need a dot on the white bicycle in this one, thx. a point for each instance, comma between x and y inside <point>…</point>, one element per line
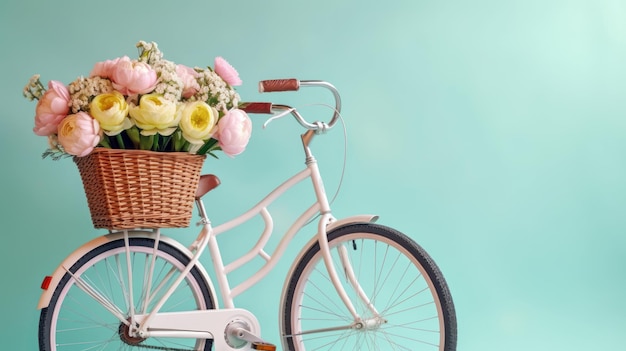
<point>356,285</point>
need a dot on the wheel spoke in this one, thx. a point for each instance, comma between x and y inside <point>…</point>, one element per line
<point>97,296</point>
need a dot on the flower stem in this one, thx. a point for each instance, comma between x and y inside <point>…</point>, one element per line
<point>120,141</point>
<point>179,141</point>
<point>146,142</point>
<point>166,143</point>
<point>156,143</point>
<point>104,142</point>
<point>133,135</point>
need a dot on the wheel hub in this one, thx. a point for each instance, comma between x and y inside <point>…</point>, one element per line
<point>124,333</point>
<point>371,323</point>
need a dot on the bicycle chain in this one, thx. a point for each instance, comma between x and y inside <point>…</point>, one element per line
<point>150,347</point>
<point>139,345</point>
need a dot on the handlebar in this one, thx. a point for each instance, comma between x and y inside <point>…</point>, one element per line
<point>292,84</point>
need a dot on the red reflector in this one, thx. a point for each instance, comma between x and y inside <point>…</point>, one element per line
<point>46,282</point>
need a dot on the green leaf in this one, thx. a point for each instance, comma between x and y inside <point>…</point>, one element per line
<point>55,155</point>
<point>207,147</point>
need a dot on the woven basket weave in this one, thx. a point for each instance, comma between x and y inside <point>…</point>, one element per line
<point>129,189</point>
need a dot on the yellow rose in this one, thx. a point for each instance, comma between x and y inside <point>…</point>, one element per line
<point>111,111</point>
<point>155,114</point>
<point>197,121</point>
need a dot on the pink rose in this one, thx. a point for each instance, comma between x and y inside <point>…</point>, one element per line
<point>133,77</point>
<point>104,69</point>
<point>51,108</point>
<point>79,134</point>
<point>233,132</point>
<point>188,75</point>
<point>227,72</point>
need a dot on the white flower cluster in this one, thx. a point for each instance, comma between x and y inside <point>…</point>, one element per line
<point>34,89</point>
<point>169,83</point>
<point>83,90</point>
<point>215,91</point>
<point>149,52</point>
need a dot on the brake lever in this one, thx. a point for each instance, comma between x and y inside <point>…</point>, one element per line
<point>277,116</point>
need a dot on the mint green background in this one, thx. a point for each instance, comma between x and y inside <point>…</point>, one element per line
<point>491,131</point>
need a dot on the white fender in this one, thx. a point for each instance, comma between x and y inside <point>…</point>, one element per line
<point>350,220</point>
<point>330,227</point>
<point>70,260</point>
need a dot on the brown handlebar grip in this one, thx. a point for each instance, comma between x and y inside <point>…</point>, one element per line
<point>256,107</point>
<point>291,84</point>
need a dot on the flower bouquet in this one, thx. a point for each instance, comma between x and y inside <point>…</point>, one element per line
<point>139,131</point>
<point>147,104</point>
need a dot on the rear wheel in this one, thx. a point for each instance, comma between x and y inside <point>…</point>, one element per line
<point>74,320</point>
<point>413,309</point>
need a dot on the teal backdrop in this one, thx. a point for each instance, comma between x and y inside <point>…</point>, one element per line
<point>493,132</point>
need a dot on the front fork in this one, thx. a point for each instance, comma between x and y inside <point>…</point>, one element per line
<point>349,273</point>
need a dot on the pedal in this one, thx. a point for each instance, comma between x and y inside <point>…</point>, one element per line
<point>263,346</point>
<point>238,334</point>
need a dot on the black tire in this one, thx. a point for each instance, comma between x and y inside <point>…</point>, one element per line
<point>73,318</point>
<point>311,303</point>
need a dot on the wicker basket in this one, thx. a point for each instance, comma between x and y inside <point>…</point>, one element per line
<point>129,189</point>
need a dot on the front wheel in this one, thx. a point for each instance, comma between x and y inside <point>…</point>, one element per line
<point>76,319</point>
<point>400,295</point>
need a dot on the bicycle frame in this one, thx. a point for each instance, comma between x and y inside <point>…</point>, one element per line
<point>195,324</point>
<point>208,237</point>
